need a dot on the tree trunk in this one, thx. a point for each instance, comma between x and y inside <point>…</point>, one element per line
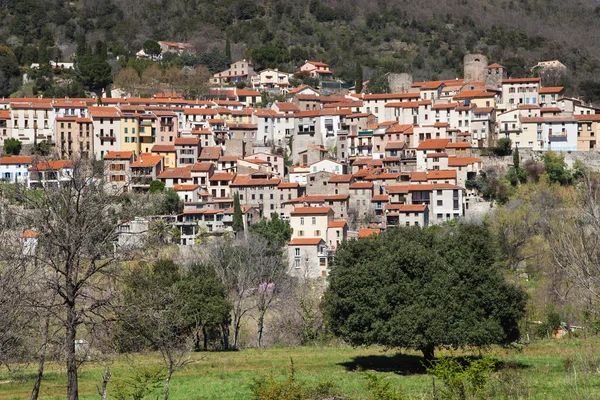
<point>70,337</point>
<point>428,354</point>
<point>104,392</point>
<point>225,335</point>
<point>40,373</point>
<point>167,385</point>
<point>205,338</point>
<point>236,332</point>
<point>261,325</point>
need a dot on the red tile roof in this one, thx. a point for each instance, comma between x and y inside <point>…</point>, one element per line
<point>337,224</point>
<point>311,211</point>
<point>180,141</point>
<point>15,160</point>
<point>361,185</point>
<point>51,165</point>
<point>433,144</point>
<point>366,232</point>
<point>176,173</point>
<point>305,242</point>
<point>147,160</point>
<point>118,155</point>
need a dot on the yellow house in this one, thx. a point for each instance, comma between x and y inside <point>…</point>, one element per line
<point>588,130</point>
<point>147,131</point>
<point>130,140</point>
<point>167,152</point>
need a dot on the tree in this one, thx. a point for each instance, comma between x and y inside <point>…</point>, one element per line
<point>77,224</point>
<point>195,83</point>
<point>152,48</point>
<point>504,147</point>
<point>12,147</point>
<point>516,159</point>
<point>166,308</point>
<point>238,219</point>
<point>422,288</point>
<point>556,169</point>
<point>172,203</point>
<point>93,72</point>
<point>276,231</point>
<point>228,48</point>
<point>151,78</point>
<point>379,83</point>
<point>128,80</point>
<point>359,78</point>
<point>156,186</point>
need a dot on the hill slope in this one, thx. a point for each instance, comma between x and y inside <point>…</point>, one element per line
<point>426,37</point>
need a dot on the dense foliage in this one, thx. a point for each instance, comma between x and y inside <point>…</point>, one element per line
<point>422,288</point>
<point>427,38</point>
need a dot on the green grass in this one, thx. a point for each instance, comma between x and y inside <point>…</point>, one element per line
<point>228,375</point>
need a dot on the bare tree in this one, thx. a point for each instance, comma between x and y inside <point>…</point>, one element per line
<point>250,270</point>
<point>76,222</point>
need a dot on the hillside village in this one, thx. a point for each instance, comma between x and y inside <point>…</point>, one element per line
<point>336,165</point>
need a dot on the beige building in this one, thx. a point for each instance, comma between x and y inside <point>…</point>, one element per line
<point>310,222</point>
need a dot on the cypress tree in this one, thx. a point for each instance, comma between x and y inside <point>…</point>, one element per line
<point>359,78</point>
<point>238,220</point>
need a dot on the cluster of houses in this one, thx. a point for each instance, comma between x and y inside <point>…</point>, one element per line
<point>336,167</point>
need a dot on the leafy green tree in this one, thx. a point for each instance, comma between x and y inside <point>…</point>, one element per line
<point>379,83</point>
<point>12,147</point>
<point>359,78</point>
<point>556,169</point>
<point>156,186</point>
<point>9,72</point>
<point>421,288</point>
<point>152,48</point>
<point>504,147</point>
<point>238,219</point>
<point>516,159</point>
<point>172,203</point>
<point>276,231</point>
<point>94,72</point>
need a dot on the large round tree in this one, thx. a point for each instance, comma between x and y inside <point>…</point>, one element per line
<point>422,288</point>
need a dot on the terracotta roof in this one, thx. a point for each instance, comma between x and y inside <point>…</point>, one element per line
<point>439,155</point>
<point>441,174</point>
<point>180,141</point>
<point>202,167</point>
<point>442,106</point>
<point>311,211</point>
<point>395,145</point>
<point>412,207</point>
<point>588,117</point>
<point>550,110</point>
<point>337,224</point>
<point>397,189</point>
<point>185,187</point>
<point>390,96</point>
<point>433,144</point>
<point>305,242</point>
<point>210,153</point>
<point>51,165</point>
<point>118,155</point>
<point>380,197</point>
<point>104,112</point>
<point>285,106</point>
<point>459,145</point>
<point>221,176</point>
<point>176,173</point>
<point>495,65</point>
<point>15,160</point>
<point>199,111</point>
<point>418,176</point>
<point>344,178</point>
<point>163,148</point>
<point>29,234</point>
<point>552,90</point>
<point>361,185</point>
<point>432,186</point>
<point>366,232</point>
<point>228,158</point>
<point>474,94</point>
<point>288,185</point>
<point>147,160</point>
<point>462,161</point>
<point>248,180</point>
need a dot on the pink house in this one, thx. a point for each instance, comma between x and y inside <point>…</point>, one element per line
<point>316,69</point>
<point>275,161</point>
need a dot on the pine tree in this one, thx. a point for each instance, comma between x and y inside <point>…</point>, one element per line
<point>359,78</point>
<point>238,220</point>
<point>228,49</point>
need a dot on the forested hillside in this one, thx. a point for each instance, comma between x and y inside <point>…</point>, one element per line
<point>425,37</point>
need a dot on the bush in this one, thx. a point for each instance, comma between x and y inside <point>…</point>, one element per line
<point>463,380</point>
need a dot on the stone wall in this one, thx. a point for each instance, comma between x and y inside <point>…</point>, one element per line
<point>590,159</point>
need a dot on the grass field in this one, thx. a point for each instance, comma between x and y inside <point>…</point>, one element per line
<point>228,375</point>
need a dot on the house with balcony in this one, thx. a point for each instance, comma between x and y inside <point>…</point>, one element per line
<point>50,174</point>
<point>145,170</point>
<point>588,130</point>
<point>106,125</point>
<point>32,120</point>
<point>74,136</point>
<point>271,79</point>
<point>238,71</point>
<point>316,69</point>
<point>117,170</point>
<point>187,151</point>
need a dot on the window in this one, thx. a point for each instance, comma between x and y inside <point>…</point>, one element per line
<point>439,192</point>
<point>301,220</point>
<point>300,233</point>
<point>440,203</point>
<point>297,251</point>
<point>314,220</point>
<point>317,233</point>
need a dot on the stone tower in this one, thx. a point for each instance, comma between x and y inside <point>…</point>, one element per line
<point>494,75</point>
<point>475,67</point>
<point>400,83</point>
